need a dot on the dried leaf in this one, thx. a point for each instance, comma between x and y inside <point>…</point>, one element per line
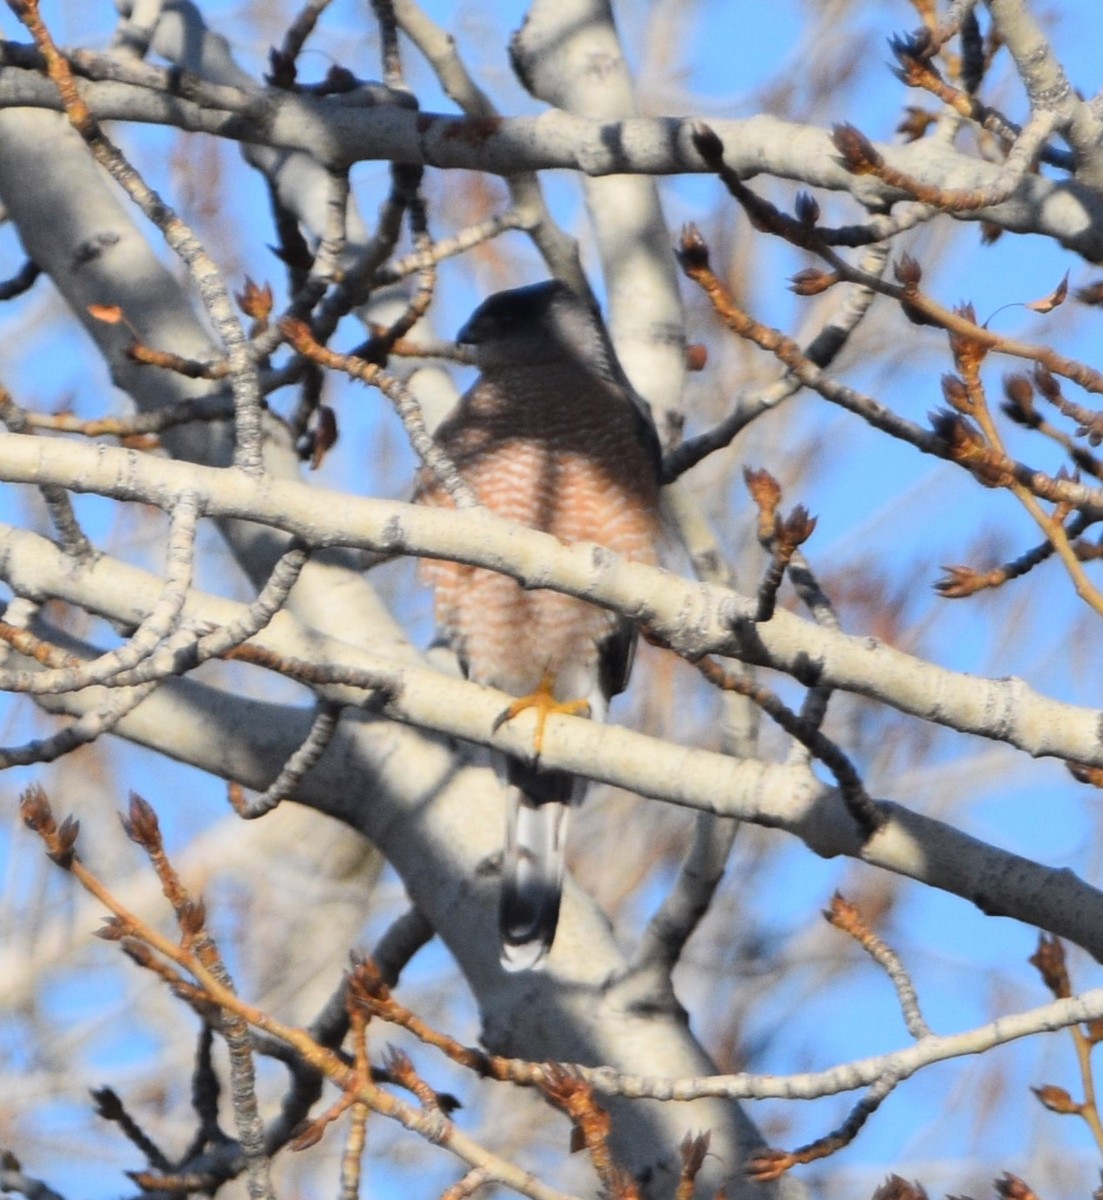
<point>110,314</point>
<point>1053,300</point>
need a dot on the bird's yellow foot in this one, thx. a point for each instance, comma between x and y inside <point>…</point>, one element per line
<point>545,703</point>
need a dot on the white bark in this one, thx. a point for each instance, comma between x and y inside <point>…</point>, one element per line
<point>693,618</point>
<point>569,56</point>
<point>355,127</point>
<point>777,796</point>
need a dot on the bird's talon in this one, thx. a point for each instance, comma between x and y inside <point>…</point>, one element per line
<point>544,701</point>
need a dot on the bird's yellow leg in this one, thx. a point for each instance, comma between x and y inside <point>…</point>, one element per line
<point>545,703</point>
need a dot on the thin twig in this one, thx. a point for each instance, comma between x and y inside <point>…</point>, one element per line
<point>14,1179</point>
<point>939,442</point>
<point>859,156</point>
<point>969,356</point>
<point>58,504</point>
<point>388,44</point>
<point>20,282</point>
<point>558,249</point>
<point>313,747</point>
<point>467,1186</point>
<point>406,405</point>
<point>822,351</point>
<point>689,897</point>
<point>768,1165</point>
<point>284,59</point>
<point>865,811</point>
<point>111,1108</point>
<point>81,732</point>
<point>162,619</point>
<point>915,303</point>
<point>190,649</point>
<point>846,917</point>
<point>459,243</point>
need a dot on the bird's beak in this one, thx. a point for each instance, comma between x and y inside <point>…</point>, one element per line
<point>468,334</point>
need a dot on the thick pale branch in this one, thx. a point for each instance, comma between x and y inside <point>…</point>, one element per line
<point>780,797</point>
<point>355,127</point>
<point>554,54</point>
<point>695,619</point>
<point>1047,85</point>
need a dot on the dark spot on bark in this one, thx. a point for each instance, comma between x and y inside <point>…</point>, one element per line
<point>473,131</point>
<point>88,251</point>
<point>392,534</point>
<point>807,670</point>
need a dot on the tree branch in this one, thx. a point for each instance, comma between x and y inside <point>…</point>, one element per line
<point>777,796</point>
<point>694,619</point>
<point>355,126</point>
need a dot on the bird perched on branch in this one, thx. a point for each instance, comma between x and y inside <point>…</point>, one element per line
<point>551,436</point>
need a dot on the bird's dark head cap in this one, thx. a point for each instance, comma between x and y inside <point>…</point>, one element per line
<point>548,324</point>
<point>520,312</point>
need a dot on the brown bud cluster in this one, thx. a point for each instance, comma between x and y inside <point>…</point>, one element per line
<point>908,272</point>
<point>916,122</point>
<point>1020,401</point>
<point>812,281</point>
<point>1049,961</point>
<point>140,824</point>
<point>1056,1099</point>
<point>959,582</point>
<point>1011,1187</point>
<point>858,153</point>
<point>60,840</point>
<point>807,209</point>
<point>898,1188</point>
<point>956,394</point>
<point>693,251</point>
<point>255,301</point>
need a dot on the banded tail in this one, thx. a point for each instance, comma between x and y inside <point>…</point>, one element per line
<point>532,867</point>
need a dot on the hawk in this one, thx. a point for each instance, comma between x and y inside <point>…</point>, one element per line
<point>552,436</point>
